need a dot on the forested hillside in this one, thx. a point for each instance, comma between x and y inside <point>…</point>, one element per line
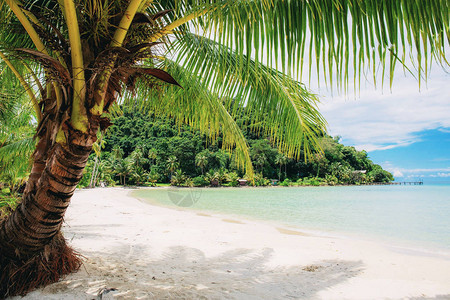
<point>142,149</point>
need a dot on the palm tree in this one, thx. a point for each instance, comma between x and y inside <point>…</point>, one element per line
<point>153,177</point>
<point>117,152</point>
<point>172,164</point>
<point>97,147</point>
<point>281,160</point>
<point>138,156</point>
<point>122,168</point>
<point>138,174</point>
<point>221,175</point>
<point>201,160</point>
<point>75,57</point>
<point>152,155</point>
<point>177,178</point>
<point>212,177</point>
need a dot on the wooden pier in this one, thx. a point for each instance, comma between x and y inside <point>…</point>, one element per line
<point>408,183</point>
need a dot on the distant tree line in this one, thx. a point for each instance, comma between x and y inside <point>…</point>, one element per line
<point>141,149</point>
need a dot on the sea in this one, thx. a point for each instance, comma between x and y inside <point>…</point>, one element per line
<point>403,216</point>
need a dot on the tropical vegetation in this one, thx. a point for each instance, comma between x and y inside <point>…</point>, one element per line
<point>75,59</point>
<point>152,145</point>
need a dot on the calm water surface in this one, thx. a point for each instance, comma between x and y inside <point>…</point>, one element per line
<point>405,215</point>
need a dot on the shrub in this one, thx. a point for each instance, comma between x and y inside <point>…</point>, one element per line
<point>260,180</point>
<point>178,178</point>
<point>286,182</point>
<point>200,181</point>
<point>188,182</point>
<point>232,178</point>
<point>152,178</point>
<point>331,179</point>
<point>313,181</point>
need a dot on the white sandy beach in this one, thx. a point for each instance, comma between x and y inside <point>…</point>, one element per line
<point>151,252</point>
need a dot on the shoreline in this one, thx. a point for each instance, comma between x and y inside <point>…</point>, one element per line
<point>294,185</point>
<point>152,252</point>
<point>419,247</point>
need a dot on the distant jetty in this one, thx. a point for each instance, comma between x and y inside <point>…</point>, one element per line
<point>408,183</point>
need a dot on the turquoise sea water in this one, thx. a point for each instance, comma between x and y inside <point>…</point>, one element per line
<point>399,215</point>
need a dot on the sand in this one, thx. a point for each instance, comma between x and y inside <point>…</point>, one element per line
<point>150,252</point>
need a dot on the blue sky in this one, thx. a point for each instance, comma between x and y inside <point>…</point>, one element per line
<point>405,130</point>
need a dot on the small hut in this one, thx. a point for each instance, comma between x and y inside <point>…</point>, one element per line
<point>242,182</point>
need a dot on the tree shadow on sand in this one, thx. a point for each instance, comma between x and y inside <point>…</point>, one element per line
<point>186,273</point>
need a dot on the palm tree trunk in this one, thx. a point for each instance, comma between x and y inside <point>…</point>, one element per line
<point>93,174</point>
<point>39,160</point>
<point>30,237</point>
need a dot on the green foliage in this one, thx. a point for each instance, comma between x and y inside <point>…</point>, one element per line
<point>380,175</point>
<point>16,132</point>
<point>6,191</point>
<point>8,202</point>
<point>200,181</point>
<point>160,147</point>
<point>153,178</point>
<point>260,180</point>
<point>178,178</point>
<point>331,179</point>
<point>236,60</point>
<point>188,182</point>
<point>312,181</point>
<point>232,178</point>
<point>286,182</point>
<point>212,177</point>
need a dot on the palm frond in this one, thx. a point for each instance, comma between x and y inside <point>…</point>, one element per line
<point>19,149</point>
<point>197,106</point>
<point>336,37</point>
<point>285,108</point>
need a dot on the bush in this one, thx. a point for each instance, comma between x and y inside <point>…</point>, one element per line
<point>286,182</point>
<point>200,181</point>
<point>178,178</point>
<point>188,182</point>
<point>313,181</point>
<point>232,178</point>
<point>261,181</point>
<point>153,177</point>
<point>331,179</point>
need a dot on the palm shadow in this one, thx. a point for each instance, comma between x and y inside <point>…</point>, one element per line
<point>186,273</point>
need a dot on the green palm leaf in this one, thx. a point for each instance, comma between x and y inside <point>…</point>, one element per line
<point>337,37</point>
<point>197,106</point>
<point>283,106</point>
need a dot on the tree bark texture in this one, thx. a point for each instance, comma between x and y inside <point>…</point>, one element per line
<point>31,234</point>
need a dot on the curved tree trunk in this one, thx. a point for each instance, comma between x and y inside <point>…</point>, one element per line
<point>30,238</point>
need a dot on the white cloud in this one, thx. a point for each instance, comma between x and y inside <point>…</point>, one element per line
<point>444,130</point>
<point>397,173</point>
<point>414,176</point>
<point>377,121</point>
<point>445,175</point>
<point>415,173</point>
<point>429,170</point>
